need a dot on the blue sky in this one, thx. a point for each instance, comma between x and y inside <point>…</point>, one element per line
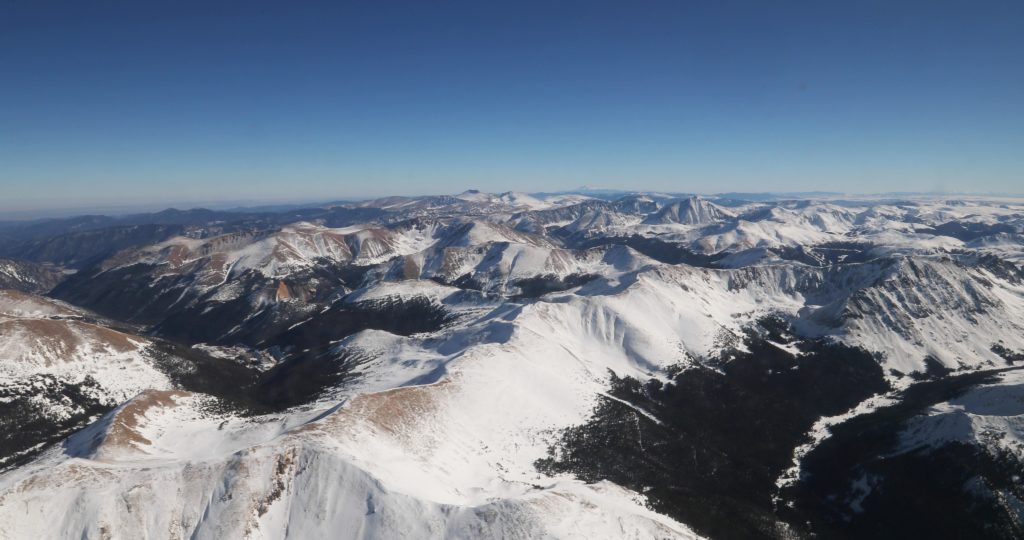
<point>147,102</point>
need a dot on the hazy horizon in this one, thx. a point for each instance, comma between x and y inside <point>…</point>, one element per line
<point>58,212</point>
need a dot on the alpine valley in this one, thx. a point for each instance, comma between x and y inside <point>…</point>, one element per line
<point>575,365</point>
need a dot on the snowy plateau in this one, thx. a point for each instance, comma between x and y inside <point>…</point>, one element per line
<point>577,365</point>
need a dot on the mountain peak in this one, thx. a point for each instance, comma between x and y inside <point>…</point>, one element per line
<point>693,210</point>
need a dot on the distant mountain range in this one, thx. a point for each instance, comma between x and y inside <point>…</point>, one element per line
<point>592,363</point>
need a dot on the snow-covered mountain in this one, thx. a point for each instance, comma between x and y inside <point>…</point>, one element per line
<point>521,366</point>
<point>690,211</point>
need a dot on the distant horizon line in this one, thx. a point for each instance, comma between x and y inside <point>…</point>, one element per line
<point>282,203</point>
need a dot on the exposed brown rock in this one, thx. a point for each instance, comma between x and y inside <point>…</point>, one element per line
<point>410,269</point>
<point>283,293</point>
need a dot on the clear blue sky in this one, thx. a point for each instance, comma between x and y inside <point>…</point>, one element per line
<point>130,102</point>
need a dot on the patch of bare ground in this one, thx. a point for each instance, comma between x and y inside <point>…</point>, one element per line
<point>410,269</point>
<point>176,255</point>
<point>215,270</point>
<point>398,412</point>
<point>60,338</point>
<point>70,473</point>
<point>123,431</point>
<point>17,304</point>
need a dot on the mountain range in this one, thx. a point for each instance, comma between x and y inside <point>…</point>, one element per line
<point>573,365</point>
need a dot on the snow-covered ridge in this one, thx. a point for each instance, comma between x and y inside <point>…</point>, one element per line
<point>407,452</point>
